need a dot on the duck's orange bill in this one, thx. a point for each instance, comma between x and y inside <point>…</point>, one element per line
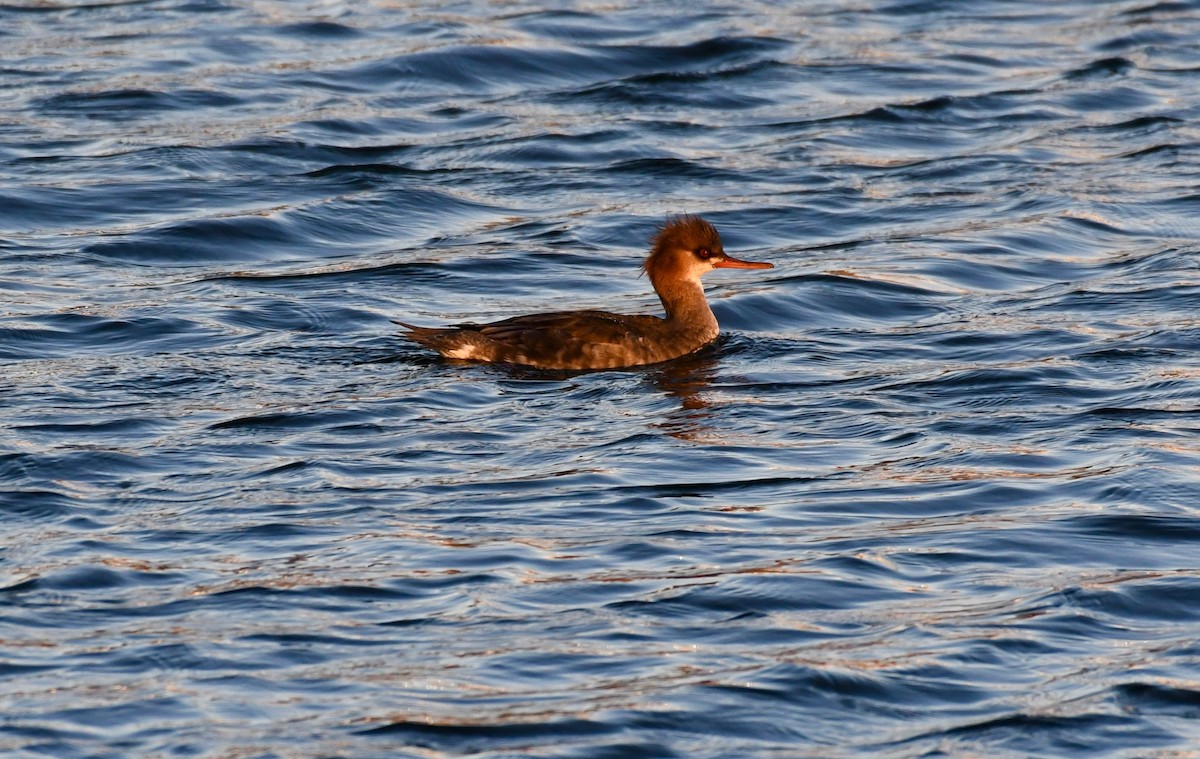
<point>737,263</point>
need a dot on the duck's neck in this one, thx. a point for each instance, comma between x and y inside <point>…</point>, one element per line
<point>687,307</point>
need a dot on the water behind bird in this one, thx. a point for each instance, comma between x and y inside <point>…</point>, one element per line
<point>936,479</point>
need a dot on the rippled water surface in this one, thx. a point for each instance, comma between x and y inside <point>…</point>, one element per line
<point>935,491</point>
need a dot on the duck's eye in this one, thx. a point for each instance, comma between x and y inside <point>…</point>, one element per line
<point>704,253</point>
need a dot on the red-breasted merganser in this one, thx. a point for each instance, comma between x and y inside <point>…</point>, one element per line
<point>684,249</point>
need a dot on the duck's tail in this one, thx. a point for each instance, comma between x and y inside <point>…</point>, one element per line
<point>451,342</point>
<point>427,336</point>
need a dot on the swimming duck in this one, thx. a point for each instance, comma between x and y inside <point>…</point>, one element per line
<point>683,250</point>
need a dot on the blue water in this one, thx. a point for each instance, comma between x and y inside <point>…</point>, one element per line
<point>935,491</point>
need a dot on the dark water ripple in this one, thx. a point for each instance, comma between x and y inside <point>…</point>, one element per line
<point>932,493</point>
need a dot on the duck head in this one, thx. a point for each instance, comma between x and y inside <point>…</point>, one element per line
<point>685,249</point>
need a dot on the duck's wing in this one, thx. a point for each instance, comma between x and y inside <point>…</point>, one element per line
<point>573,339</point>
<point>560,340</point>
<point>588,326</point>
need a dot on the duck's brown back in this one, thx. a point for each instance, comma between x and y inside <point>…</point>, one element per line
<point>572,340</point>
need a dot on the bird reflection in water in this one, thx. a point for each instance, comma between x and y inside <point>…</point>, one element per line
<point>687,379</point>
